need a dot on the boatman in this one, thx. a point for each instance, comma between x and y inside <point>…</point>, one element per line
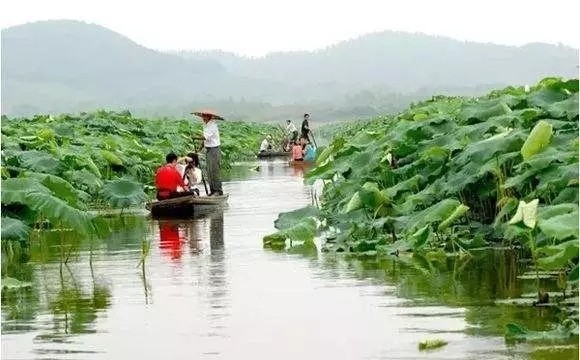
<point>211,142</point>
<point>305,128</point>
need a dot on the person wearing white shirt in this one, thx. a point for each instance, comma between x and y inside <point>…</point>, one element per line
<point>211,141</point>
<point>291,130</point>
<point>265,145</point>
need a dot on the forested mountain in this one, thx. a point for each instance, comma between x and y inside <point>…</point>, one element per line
<point>67,66</point>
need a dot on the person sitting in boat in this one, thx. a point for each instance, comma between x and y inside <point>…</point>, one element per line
<point>265,146</point>
<point>309,151</point>
<point>297,152</point>
<point>168,180</point>
<point>192,173</point>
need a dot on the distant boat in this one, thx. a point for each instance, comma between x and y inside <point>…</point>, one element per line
<point>186,206</point>
<point>269,153</point>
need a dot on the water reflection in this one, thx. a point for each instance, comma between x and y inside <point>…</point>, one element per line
<point>207,260</point>
<point>471,284</point>
<point>270,168</point>
<point>218,296</point>
<point>216,232</point>
<point>169,239</point>
<point>174,234</point>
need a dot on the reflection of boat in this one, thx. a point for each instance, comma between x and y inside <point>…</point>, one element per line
<point>186,206</point>
<point>270,153</point>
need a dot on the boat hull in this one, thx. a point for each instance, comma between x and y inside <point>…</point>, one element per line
<point>187,206</point>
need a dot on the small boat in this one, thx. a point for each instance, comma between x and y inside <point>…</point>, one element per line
<point>186,206</point>
<point>269,153</point>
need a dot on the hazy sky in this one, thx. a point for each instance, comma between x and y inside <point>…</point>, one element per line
<point>255,27</point>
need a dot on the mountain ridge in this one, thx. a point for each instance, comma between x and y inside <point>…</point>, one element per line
<point>69,65</point>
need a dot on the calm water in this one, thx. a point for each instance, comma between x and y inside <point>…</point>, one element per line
<point>208,290</point>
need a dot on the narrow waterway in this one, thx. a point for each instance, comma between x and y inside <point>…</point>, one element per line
<point>206,289</point>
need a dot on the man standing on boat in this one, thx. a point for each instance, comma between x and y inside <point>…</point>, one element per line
<point>211,142</point>
<point>305,128</point>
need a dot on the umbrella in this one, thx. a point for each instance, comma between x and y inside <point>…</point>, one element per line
<point>207,113</point>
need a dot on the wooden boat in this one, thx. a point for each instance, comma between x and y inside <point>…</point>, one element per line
<point>270,153</point>
<point>187,206</point>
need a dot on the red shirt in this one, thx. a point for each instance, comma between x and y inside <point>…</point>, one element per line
<point>297,152</point>
<point>167,179</point>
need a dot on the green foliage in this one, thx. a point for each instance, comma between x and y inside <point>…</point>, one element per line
<point>298,226</point>
<point>9,283</point>
<point>450,175</point>
<point>112,145</point>
<point>459,173</point>
<point>46,204</point>
<point>567,330</point>
<point>456,214</point>
<point>288,219</point>
<point>538,139</point>
<point>14,229</point>
<point>123,193</point>
<point>55,167</point>
<point>431,344</point>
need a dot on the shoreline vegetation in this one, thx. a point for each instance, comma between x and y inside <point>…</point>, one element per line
<point>57,169</point>
<point>451,176</point>
<point>443,180</point>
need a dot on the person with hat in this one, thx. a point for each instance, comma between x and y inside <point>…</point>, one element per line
<point>211,142</point>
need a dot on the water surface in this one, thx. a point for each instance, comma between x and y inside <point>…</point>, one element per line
<point>206,289</point>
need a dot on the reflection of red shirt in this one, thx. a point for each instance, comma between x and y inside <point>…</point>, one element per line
<point>169,239</point>
<point>167,179</point>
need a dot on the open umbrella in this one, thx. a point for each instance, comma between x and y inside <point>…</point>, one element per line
<point>207,113</point>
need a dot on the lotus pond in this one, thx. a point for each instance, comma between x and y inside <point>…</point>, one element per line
<point>207,289</point>
<point>451,176</point>
<point>447,231</point>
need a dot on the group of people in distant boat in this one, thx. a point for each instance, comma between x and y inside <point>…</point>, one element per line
<point>181,175</point>
<point>300,147</point>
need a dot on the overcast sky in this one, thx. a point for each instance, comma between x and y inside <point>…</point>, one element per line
<point>256,27</point>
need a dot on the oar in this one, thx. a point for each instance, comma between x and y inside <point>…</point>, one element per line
<point>313,139</point>
<point>204,184</point>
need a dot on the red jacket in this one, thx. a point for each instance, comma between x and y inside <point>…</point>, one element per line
<point>167,179</point>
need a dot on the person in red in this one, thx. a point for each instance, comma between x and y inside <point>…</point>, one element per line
<point>168,180</point>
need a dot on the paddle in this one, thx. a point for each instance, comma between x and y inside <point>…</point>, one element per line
<point>204,184</point>
<point>313,139</point>
<point>195,149</point>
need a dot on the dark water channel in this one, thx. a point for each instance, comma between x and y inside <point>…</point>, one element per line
<point>206,289</point>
